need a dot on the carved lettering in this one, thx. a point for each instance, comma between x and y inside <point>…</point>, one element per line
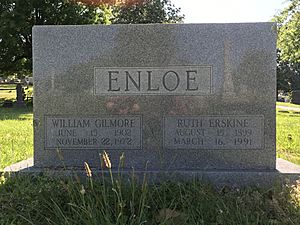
<point>150,88</point>
<point>167,87</point>
<point>189,79</point>
<point>172,80</point>
<point>213,132</point>
<point>110,80</point>
<point>137,83</point>
<point>114,132</point>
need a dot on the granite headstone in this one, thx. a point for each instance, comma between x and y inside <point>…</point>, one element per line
<point>20,95</point>
<point>182,97</point>
<point>295,97</point>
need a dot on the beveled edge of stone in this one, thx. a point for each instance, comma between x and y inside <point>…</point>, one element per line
<point>273,24</point>
<point>285,173</point>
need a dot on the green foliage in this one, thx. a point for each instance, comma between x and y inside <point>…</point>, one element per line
<point>288,75</point>
<point>48,201</point>
<point>288,58</point>
<point>17,17</point>
<point>289,32</point>
<point>148,11</point>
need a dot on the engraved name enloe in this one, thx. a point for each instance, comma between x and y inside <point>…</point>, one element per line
<point>173,80</point>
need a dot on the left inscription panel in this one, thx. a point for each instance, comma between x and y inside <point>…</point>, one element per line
<point>95,133</point>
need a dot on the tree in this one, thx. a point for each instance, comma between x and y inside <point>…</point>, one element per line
<point>17,17</point>
<point>289,32</point>
<point>288,77</point>
<point>139,11</point>
<point>288,57</point>
<point>147,11</point>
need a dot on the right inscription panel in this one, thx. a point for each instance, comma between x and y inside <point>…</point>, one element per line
<point>214,132</point>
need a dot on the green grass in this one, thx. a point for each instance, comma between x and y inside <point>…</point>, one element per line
<point>11,94</point>
<point>16,135</point>
<point>288,136</point>
<point>48,201</point>
<point>287,104</point>
<point>8,86</point>
<point>7,95</point>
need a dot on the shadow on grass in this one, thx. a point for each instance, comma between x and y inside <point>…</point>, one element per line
<point>3,99</point>
<point>16,113</point>
<point>283,111</point>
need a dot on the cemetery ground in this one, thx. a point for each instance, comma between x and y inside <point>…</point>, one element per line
<point>45,200</point>
<point>287,104</point>
<point>7,91</point>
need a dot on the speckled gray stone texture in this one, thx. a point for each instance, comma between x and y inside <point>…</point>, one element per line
<point>243,62</point>
<point>285,173</point>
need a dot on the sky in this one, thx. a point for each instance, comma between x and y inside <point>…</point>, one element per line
<point>229,11</point>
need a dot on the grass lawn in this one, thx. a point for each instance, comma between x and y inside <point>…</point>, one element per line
<point>7,94</point>
<point>287,104</point>
<point>48,201</point>
<point>288,136</point>
<point>8,86</point>
<point>16,135</point>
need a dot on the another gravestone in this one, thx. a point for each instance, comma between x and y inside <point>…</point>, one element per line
<point>195,97</point>
<point>20,95</point>
<point>295,97</point>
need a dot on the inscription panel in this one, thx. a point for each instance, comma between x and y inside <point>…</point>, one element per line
<point>173,80</point>
<point>108,132</point>
<point>213,132</point>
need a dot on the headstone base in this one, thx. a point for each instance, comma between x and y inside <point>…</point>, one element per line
<point>286,172</point>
